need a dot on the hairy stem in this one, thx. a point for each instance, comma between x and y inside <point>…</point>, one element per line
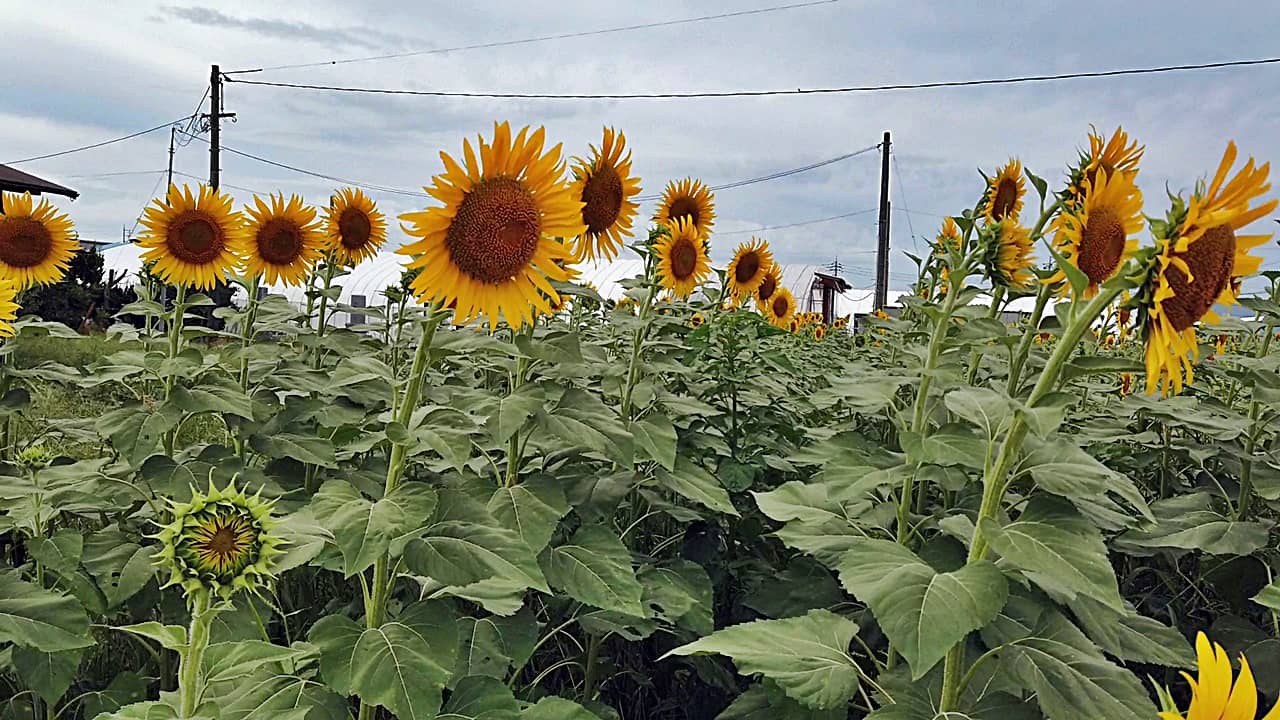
<point>190,659</point>
<point>1251,439</point>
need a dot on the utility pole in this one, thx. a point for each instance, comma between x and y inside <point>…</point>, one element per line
<point>215,124</point>
<point>882,246</point>
<point>173,132</point>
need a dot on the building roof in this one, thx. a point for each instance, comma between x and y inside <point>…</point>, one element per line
<point>15,180</point>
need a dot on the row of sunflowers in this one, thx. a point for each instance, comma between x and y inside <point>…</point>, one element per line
<point>663,507</point>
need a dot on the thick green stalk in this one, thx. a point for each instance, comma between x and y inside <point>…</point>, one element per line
<point>1019,359</point>
<point>637,343</point>
<point>1251,440</point>
<point>918,412</point>
<point>189,680</point>
<point>997,297</point>
<point>322,314</point>
<point>246,332</point>
<point>589,670</point>
<point>513,445</point>
<point>380,587</point>
<point>994,483</point>
<point>175,343</point>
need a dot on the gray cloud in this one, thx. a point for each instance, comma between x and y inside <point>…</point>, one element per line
<point>289,30</point>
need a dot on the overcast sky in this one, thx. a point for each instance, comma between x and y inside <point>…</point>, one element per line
<point>80,72</point>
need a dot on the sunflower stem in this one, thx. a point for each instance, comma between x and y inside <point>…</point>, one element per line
<point>637,343</point>
<point>191,657</point>
<point>1019,358</point>
<point>514,449</point>
<point>322,314</point>
<point>1251,439</point>
<point>997,298</point>
<point>246,338</point>
<point>994,482</point>
<point>175,343</point>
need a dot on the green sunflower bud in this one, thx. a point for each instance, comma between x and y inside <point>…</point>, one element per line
<point>219,543</point>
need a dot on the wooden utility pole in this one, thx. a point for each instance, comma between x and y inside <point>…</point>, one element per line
<point>173,132</point>
<point>882,246</point>
<point>215,124</point>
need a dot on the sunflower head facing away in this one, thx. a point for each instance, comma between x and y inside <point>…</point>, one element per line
<point>607,190</point>
<point>949,238</point>
<point>1214,695</point>
<point>219,543</point>
<point>8,306</point>
<point>748,269</point>
<point>1008,254</point>
<point>1096,235</point>
<point>1005,192</point>
<point>683,263</point>
<point>1117,156</point>
<point>690,200</point>
<point>1200,260</point>
<point>192,239</point>
<point>354,227</point>
<point>780,309</point>
<point>36,242</point>
<point>494,246</point>
<point>284,240</point>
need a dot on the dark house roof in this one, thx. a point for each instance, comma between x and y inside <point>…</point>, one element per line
<point>14,180</point>
<point>832,281</point>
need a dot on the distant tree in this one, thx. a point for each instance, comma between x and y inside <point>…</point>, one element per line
<point>83,300</point>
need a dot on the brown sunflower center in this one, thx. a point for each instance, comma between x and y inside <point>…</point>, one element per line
<point>1005,198</point>
<point>767,287</point>
<point>280,241</point>
<point>354,228</point>
<point>747,267</point>
<point>684,259</point>
<point>684,207</point>
<point>495,232</point>
<point>223,541</point>
<point>195,238</point>
<point>602,194</point>
<point>1101,245</point>
<point>1211,259</point>
<point>780,306</point>
<point>23,242</point>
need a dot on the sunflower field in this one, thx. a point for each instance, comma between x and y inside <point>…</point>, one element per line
<point>505,496</point>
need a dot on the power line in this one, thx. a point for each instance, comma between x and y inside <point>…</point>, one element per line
<point>113,174</point>
<point>222,184</point>
<point>764,93</point>
<point>122,138</point>
<point>777,175</point>
<point>537,39</point>
<point>897,174</point>
<point>312,173</point>
<point>798,224</point>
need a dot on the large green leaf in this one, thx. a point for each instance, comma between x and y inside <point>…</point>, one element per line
<point>765,701</point>
<point>1071,684</point>
<point>365,530</point>
<point>923,612</point>
<point>807,656</point>
<point>459,552</point>
<point>35,618</point>
<point>594,567</point>
<point>1132,637</point>
<point>308,449</point>
<point>655,433</point>
<point>693,482</point>
<point>679,592</point>
<point>402,665</point>
<point>481,698</point>
<point>229,661</point>
<point>1188,522</point>
<point>49,674</point>
<point>1058,550</point>
<point>984,407</point>
<point>828,541</point>
<point>1269,597</point>
<point>267,696</point>
<point>532,508</point>
<point>556,708</point>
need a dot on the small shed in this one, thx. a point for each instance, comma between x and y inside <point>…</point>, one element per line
<point>17,181</point>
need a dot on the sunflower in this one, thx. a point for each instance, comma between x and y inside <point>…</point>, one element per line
<point>697,320</point>
<point>1213,694</point>
<point>607,190</point>
<point>354,228</point>
<point>1126,384</point>
<point>688,199</point>
<point>219,542</point>
<point>1199,262</point>
<point>1114,157</point>
<point>819,331</point>
<point>768,286</point>
<point>1003,198</point>
<point>495,244</point>
<point>8,306</point>
<point>682,258</point>
<point>1008,255</point>
<point>750,264</point>
<point>35,241</point>
<point>1095,235</point>
<point>284,240</point>
<point>193,239</point>
<point>949,238</point>
<point>780,308</point>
